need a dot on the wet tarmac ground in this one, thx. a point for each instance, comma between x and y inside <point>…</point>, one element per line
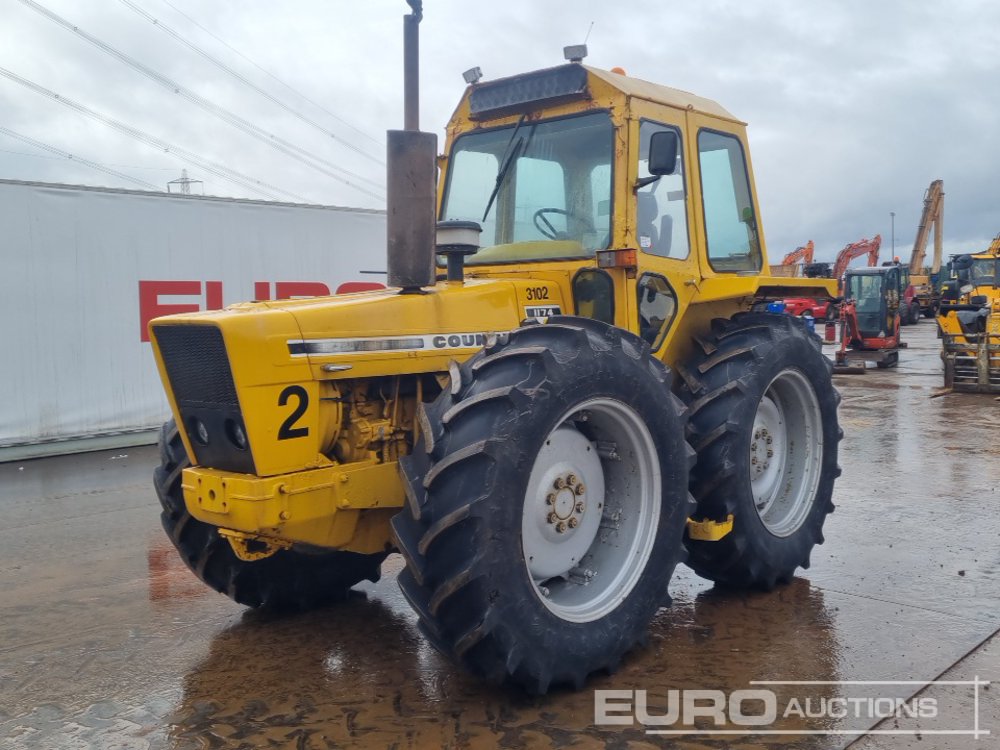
<point>107,641</point>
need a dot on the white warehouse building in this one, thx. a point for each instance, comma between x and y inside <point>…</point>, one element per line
<point>83,269</point>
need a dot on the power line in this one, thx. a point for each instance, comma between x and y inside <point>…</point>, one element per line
<point>251,183</point>
<point>289,149</point>
<point>106,164</point>
<point>243,79</point>
<point>80,159</point>
<point>273,77</point>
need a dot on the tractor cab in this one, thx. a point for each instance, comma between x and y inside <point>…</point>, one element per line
<point>972,276</point>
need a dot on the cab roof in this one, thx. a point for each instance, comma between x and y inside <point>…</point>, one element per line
<point>527,91</point>
<point>659,94</point>
<point>876,271</point>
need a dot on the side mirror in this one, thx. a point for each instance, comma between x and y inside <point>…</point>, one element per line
<point>663,153</point>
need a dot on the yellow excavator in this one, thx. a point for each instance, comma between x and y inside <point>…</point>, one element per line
<point>924,279</point>
<point>969,318</point>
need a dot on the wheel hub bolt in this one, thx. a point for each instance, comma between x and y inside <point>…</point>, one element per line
<point>753,460</point>
<point>580,489</point>
<point>769,441</point>
<point>550,499</point>
<point>753,446</point>
<point>573,523</point>
<point>770,453</point>
<point>560,483</point>
<point>553,518</point>
<point>580,507</point>
<point>560,527</point>
<point>571,479</point>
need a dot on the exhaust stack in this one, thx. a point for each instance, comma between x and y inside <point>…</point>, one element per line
<point>411,164</point>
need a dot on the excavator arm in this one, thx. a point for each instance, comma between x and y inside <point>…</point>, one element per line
<point>804,254</point>
<point>933,214</point>
<point>856,250</point>
<point>994,248</point>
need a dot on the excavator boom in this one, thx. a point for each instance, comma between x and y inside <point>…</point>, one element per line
<point>933,213</point>
<point>994,248</point>
<point>803,253</point>
<point>869,247</point>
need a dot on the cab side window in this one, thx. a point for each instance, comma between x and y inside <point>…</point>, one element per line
<point>661,209</point>
<point>730,223</point>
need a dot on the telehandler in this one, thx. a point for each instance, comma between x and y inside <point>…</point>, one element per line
<point>969,320</point>
<point>575,397</point>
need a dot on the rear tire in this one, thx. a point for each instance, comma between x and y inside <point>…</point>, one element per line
<point>289,579</point>
<point>758,391</point>
<point>576,408</point>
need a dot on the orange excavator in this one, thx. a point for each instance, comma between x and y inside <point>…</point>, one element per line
<point>803,254</point>
<point>856,250</point>
<point>822,308</point>
<point>870,318</point>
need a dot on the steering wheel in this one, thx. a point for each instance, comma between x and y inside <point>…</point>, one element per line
<point>543,225</point>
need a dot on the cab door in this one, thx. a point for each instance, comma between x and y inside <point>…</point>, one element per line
<point>658,226</point>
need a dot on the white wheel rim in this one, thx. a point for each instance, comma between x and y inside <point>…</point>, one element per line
<point>786,453</point>
<point>591,510</point>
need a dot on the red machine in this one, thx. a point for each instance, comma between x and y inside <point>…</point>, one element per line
<point>823,308</point>
<point>869,319</point>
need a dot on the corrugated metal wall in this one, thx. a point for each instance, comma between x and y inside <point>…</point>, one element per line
<point>72,362</point>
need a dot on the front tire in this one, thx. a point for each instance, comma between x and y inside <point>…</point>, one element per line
<point>547,499</point>
<point>289,579</point>
<point>763,419</point>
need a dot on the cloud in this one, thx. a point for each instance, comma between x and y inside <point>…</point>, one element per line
<point>853,107</point>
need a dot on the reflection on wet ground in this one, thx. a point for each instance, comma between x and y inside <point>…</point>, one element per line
<point>107,641</point>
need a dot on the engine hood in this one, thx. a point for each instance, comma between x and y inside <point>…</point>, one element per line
<point>370,333</point>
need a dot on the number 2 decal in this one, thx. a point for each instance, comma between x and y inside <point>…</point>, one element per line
<point>288,430</point>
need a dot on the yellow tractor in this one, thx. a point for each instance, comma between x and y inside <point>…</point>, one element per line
<point>582,391</point>
<point>969,319</point>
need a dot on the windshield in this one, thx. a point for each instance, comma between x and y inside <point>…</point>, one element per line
<point>550,184</point>
<point>866,292</point>
<point>984,272</point>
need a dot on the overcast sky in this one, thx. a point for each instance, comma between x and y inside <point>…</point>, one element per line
<point>853,106</point>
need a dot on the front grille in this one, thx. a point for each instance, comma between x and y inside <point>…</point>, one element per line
<point>197,364</point>
<point>201,381</point>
